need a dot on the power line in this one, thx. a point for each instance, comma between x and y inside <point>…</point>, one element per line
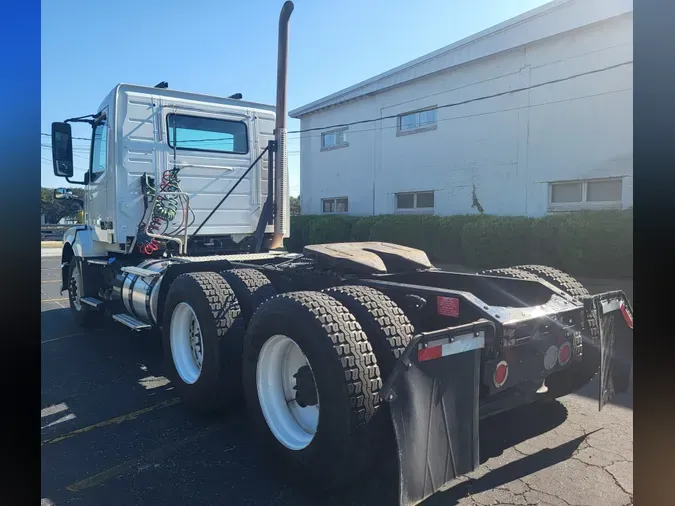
<point>469,101</point>
<point>444,106</point>
<point>79,138</point>
<point>352,132</point>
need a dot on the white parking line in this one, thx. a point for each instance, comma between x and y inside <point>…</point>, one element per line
<point>50,252</point>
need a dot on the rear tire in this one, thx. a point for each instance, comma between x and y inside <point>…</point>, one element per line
<point>251,287</point>
<point>202,337</point>
<point>557,278</point>
<point>386,326</point>
<point>344,374</point>
<point>510,272</point>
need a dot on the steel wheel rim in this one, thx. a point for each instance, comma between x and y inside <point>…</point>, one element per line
<point>292,425</point>
<point>74,288</point>
<point>187,345</point>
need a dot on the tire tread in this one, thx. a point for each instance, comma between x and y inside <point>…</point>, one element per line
<point>384,322</point>
<point>251,287</point>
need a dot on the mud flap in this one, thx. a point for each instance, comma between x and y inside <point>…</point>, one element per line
<point>433,396</point>
<point>615,329</point>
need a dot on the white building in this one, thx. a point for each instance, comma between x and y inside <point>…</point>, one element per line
<point>557,133</point>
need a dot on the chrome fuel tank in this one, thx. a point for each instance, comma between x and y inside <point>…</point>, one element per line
<point>140,293</point>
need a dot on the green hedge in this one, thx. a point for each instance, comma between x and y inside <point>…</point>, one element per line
<point>597,244</point>
<point>496,241</point>
<point>590,243</point>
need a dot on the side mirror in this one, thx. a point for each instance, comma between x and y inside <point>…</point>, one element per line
<point>62,150</point>
<point>63,193</point>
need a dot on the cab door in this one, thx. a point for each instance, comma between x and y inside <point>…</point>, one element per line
<point>97,214</point>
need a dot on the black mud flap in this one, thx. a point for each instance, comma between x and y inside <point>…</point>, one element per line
<point>615,317</point>
<point>433,395</point>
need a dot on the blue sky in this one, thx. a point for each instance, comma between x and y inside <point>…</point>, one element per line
<point>221,47</point>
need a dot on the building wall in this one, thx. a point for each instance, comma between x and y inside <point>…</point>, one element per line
<point>510,147</point>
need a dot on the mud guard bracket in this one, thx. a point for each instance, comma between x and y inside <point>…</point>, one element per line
<point>615,317</point>
<point>433,395</point>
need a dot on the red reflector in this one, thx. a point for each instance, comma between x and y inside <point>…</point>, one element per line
<point>501,373</point>
<point>564,353</point>
<point>447,306</point>
<point>429,353</point>
<point>626,315</point>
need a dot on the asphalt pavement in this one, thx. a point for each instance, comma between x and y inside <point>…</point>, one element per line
<point>114,432</point>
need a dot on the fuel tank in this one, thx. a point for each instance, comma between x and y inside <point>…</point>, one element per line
<point>140,294</point>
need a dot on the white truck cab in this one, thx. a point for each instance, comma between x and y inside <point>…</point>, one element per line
<point>217,139</point>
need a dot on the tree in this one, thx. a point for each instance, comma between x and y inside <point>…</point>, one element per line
<point>295,205</point>
<point>54,209</point>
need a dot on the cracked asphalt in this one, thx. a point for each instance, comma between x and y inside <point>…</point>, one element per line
<point>113,432</point>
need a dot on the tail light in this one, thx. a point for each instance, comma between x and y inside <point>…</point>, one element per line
<point>564,353</point>
<point>501,374</point>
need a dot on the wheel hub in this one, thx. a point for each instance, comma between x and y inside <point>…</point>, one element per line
<point>305,387</point>
<point>196,342</point>
<point>287,392</point>
<point>74,288</point>
<point>187,345</point>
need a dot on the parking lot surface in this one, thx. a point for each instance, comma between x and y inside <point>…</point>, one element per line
<point>114,432</point>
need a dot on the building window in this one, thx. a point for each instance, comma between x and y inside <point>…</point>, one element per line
<point>417,121</point>
<point>413,201</point>
<point>334,139</point>
<point>591,194</point>
<point>335,205</point>
<point>196,133</point>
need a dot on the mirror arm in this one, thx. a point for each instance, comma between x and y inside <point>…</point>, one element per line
<point>82,119</point>
<point>83,183</point>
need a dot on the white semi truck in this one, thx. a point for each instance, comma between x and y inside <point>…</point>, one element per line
<point>337,351</point>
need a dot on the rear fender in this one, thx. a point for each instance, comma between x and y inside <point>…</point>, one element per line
<point>433,395</point>
<point>78,242</point>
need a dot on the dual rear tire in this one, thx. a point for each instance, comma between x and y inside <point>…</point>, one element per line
<point>347,340</point>
<point>202,337</point>
<point>310,364</point>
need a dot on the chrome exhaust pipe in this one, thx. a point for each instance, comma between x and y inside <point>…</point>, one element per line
<point>282,214</point>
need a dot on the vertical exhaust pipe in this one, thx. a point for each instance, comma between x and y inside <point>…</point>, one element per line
<point>282,215</point>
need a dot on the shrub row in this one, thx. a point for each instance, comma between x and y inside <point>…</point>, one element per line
<point>589,243</point>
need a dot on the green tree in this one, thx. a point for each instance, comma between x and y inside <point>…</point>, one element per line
<point>295,205</point>
<point>54,209</point>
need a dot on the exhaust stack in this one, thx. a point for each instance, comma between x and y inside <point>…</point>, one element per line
<point>282,215</point>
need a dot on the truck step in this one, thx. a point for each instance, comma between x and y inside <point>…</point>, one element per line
<point>91,301</point>
<point>97,261</point>
<point>139,271</point>
<point>131,322</point>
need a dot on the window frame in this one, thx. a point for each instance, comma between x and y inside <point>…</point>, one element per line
<point>169,128</point>
<point>102,117</point>
<point>414,209</point>
<point>418,129</point>
<point>584,203</point>
<point>335,199</point>
<point>344,144</point>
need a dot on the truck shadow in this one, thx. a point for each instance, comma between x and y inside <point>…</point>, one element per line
<point>497,434</point>
<point>510,472</point>
<point>590,391</point>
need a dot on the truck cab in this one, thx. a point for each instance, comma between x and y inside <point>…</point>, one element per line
<point>143,132</point>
